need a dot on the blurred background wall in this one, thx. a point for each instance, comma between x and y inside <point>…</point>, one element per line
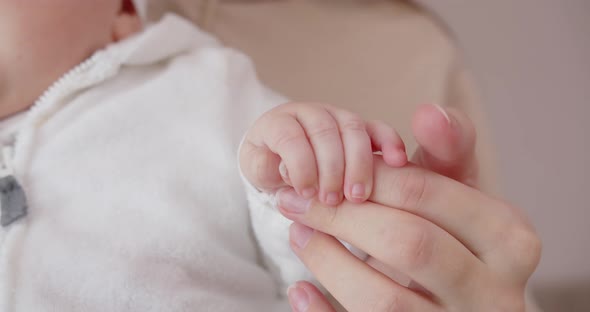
<point>531,59</point>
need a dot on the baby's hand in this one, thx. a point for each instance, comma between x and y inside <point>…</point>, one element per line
<point>317,148</point>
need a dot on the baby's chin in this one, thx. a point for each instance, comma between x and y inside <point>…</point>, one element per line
<point>20,91</point>
<point>10,105</point>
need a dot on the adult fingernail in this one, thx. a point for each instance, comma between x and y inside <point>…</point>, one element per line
<point>444,112</point>
<point>291,202</point>
<point>358,191</point>
<point>300,234</point>
<point>298,298</point>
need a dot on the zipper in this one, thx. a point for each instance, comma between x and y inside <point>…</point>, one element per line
<point>60,87</point>
<point>85,74</point>
<point>7,151</point>
<point>15,157</point>
<point>97,68</point>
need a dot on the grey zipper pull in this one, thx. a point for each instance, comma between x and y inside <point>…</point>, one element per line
<point>13,202</point>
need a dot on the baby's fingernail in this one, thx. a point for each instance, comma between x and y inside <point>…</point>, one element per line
<point>298,298</point>
<point>358,191</point>
<point>333,198</point>
<point>395,155</point>
<point>284,173</point>
<point>290,201</point>
<point>300,234</point>
<point>309,192</point>
<point>398,159</point>
<point>444,112</point>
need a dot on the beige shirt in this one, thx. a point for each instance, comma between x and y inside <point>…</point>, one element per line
<point>379,58</point>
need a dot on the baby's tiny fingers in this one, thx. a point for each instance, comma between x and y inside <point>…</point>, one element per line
<point>358,155</point>
<point>285,137</point>
<point>324,136</point>
<point>386,140</point>
<point>305,297</point>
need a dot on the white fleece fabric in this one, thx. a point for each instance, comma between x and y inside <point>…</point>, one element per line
<point>9,126</point>
<point>134,197</point>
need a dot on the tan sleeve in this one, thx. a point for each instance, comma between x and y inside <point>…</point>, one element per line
<point>462,94</point>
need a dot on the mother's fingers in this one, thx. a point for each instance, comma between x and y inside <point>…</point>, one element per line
<point>491,229</point>
<point>305,297</point>
<point>401,240</point>
<point>357,286</point>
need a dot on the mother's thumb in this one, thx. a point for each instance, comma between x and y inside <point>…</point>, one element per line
<point>446,142</point>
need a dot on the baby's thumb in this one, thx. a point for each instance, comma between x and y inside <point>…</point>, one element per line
<point>260,166</point>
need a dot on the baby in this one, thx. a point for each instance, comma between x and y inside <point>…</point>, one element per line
<point>119,184</point>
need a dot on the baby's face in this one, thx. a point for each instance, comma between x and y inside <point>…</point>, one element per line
<point>40,40</point>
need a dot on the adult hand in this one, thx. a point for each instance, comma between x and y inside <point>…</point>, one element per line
<point>468,251</point>
<point>446,143</point>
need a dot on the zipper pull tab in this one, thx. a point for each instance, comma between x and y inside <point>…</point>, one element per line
<point>13,201</point>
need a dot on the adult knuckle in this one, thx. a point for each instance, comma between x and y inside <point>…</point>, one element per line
<point>411,188</point>
<point>513,301</point>
<point>520,250</point>
<point>388,303</point>
<point>526,248</point>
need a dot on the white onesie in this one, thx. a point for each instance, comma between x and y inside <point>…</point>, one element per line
<point>132,192</point>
